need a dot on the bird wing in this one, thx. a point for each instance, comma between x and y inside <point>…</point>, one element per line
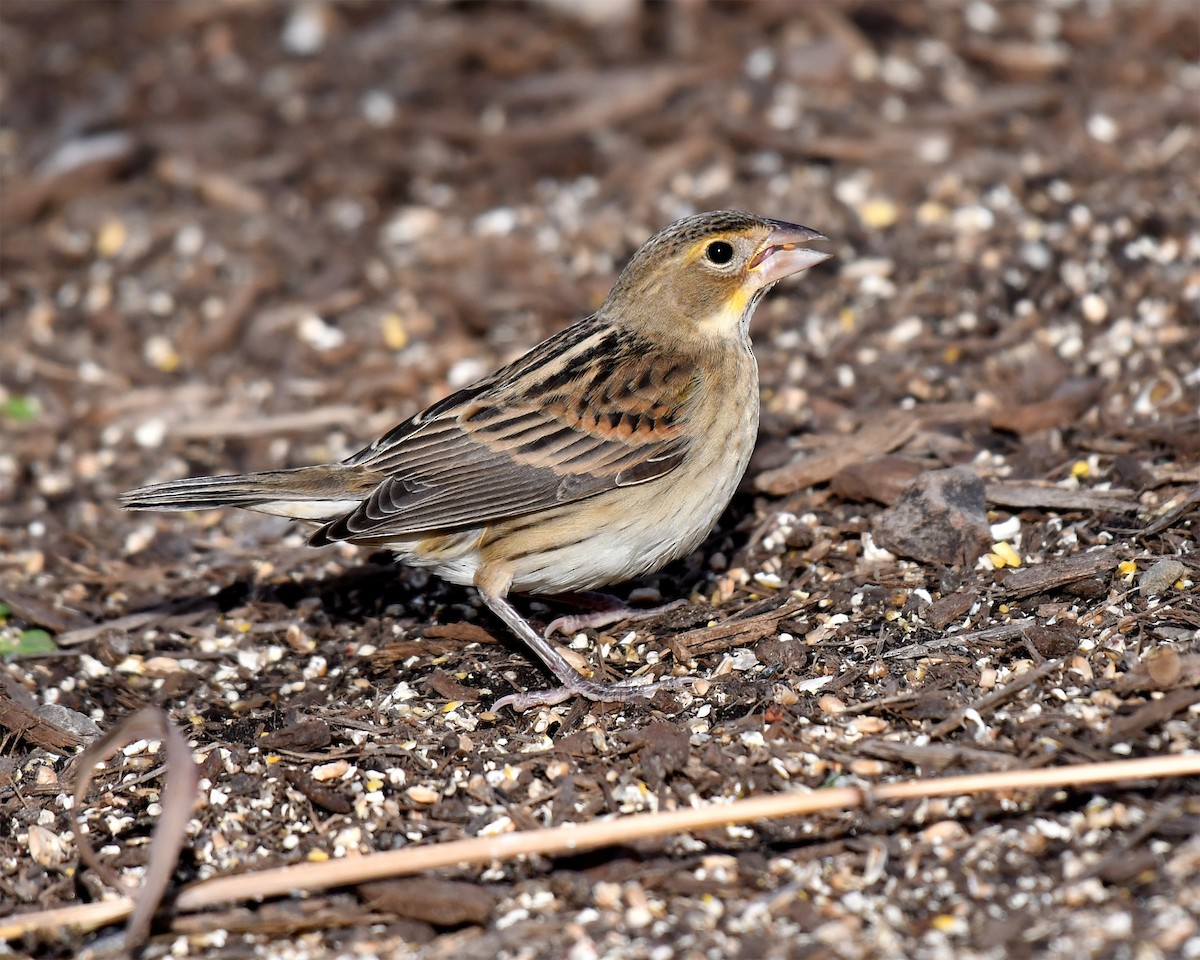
<point>587,411</point>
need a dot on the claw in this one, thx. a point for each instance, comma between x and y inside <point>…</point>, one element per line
<point>571,624</point>
<point>596,692</point>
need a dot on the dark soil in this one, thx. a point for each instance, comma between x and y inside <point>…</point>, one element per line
<point>246,235</point>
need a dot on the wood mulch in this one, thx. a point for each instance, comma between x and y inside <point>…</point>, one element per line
<point>246,235</point>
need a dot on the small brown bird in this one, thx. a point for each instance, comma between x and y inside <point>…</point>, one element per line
<point>602,454</point>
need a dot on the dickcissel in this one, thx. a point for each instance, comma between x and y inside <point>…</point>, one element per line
<point>602,454</point>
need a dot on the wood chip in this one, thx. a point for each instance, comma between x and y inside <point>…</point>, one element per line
<point>1152,714</point>
<point>950,608</point>
<point>443,903</point>
<point>891,432</point>
<point>18,715</point>
<point>1042,577</point>
<point>1023,496</point>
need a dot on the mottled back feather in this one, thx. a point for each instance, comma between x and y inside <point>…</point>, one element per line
<point>529,437</point>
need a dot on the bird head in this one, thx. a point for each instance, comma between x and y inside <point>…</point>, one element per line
<point>705,274</point>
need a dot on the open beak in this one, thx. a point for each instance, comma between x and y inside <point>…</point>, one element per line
<point>785,252</point>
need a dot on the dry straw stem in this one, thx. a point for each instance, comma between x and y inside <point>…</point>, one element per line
<point>280,881</point>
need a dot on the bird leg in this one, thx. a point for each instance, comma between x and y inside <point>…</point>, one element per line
<point>605,610</point>
<point>574,683</point>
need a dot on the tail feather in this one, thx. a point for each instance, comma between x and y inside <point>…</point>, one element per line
<point>306,493</point>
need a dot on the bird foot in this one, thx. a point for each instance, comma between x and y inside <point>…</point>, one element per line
<point>592,690</point>
<point>573,683</point>
<point>610,610</point>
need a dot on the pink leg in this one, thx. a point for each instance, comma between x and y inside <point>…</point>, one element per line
<point>605,610</point>
<point>574,684</point>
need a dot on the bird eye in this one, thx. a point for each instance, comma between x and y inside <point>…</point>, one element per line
<point>719,252</point>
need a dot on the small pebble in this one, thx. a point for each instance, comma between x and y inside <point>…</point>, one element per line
<point>330,771</point>
<point>422,795</point>
<point>111,238</point>
<point>878,213</point>
<point>318,334</point>
<point>150,434</point>
<point>1102,127</point>
<point>1094,308</point>
<point>1159,578</point>
<point>306,30</point>
<point>1164,666</point>
<point>70,720</point>
<point>47,848</point>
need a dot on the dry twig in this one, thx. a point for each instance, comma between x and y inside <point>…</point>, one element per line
<point>576,838</point>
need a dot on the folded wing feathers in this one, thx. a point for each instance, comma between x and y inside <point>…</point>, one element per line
<point>476,455</point>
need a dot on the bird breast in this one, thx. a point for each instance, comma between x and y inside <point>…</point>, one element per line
<point>632,531</point>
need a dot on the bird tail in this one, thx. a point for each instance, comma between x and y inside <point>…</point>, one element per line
<point>306,493</point>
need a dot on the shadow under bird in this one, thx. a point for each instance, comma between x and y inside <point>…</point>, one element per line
<point>602,454</point>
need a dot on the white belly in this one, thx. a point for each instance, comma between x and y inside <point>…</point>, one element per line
<point>615,536</point>
<point>634,531</point>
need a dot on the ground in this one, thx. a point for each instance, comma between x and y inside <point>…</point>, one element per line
<point>246,235</point>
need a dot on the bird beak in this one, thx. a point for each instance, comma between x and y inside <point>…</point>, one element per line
<point>784,253</point>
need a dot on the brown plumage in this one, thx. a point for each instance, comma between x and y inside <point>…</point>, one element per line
<point>600,455</point>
